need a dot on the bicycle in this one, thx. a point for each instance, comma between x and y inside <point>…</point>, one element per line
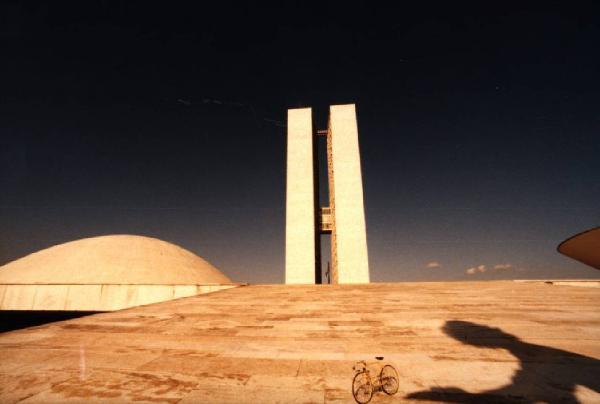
<point>363,385</point>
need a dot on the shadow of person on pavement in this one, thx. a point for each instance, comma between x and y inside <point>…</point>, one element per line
<point>546,374</point>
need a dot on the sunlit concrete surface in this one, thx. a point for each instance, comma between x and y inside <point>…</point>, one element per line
<point>106,273</point>
<point>300,236</point>
<point>349,234</point>
<point>455,341</point>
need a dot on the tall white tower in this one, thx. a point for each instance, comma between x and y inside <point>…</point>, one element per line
<point>344,218</point>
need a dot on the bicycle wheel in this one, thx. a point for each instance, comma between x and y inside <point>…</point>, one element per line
<point>389,380</point>
<point>362,388</point>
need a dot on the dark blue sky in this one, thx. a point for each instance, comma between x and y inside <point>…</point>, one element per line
<point>479,128</point>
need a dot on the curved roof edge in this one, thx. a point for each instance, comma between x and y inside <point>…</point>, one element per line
<point>583,247</point>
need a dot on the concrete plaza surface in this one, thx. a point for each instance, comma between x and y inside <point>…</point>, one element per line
<point>496,341</point>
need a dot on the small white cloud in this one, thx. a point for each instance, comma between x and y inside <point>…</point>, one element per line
<point>503,267</point>
<point>433,265</point>
<point>478,269</point>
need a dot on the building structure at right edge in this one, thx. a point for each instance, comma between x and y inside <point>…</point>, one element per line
<point>344,218</point>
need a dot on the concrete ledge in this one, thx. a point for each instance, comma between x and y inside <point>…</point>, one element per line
<point>95,297</point>
<point>586,283</point>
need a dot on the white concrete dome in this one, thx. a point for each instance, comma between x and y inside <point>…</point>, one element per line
<point>106,273</point>
<point>114,259</point>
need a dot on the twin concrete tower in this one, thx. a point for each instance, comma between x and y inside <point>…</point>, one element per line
<point>344,218</point>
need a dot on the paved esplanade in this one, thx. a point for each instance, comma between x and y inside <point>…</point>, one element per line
<point>344,218</point>
<point>450,341</point>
